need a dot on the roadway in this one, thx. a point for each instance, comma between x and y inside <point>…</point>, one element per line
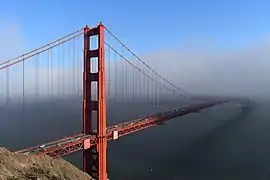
<point>78,142</point>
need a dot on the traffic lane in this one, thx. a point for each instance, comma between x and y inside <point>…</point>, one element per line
<point>49,144</point>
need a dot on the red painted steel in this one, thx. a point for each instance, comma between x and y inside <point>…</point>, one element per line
<point>102,125</point>
<point>87,118</point>
<point>94,158</point>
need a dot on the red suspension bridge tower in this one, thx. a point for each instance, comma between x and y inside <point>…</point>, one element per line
<point>95,157</point>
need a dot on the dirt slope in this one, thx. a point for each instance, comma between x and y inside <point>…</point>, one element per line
<point>15,166</point>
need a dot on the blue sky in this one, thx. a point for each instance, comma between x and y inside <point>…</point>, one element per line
<point>236,35</point>
<point>145,25</point>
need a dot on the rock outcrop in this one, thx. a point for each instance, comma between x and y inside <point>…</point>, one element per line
<point>15,166</point>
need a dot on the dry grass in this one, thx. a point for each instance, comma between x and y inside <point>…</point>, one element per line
<point>14,166</point>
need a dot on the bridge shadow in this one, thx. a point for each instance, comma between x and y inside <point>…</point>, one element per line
<point>188,161</point>
<point>232,122</point>
<point>192,162</point>
<point>171,161</point>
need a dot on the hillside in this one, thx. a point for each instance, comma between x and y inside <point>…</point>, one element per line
<point>15,166</point>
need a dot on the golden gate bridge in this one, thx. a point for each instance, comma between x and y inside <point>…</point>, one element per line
<point>94,65</point>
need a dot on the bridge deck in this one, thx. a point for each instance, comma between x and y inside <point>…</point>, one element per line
<point>75,143</point>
